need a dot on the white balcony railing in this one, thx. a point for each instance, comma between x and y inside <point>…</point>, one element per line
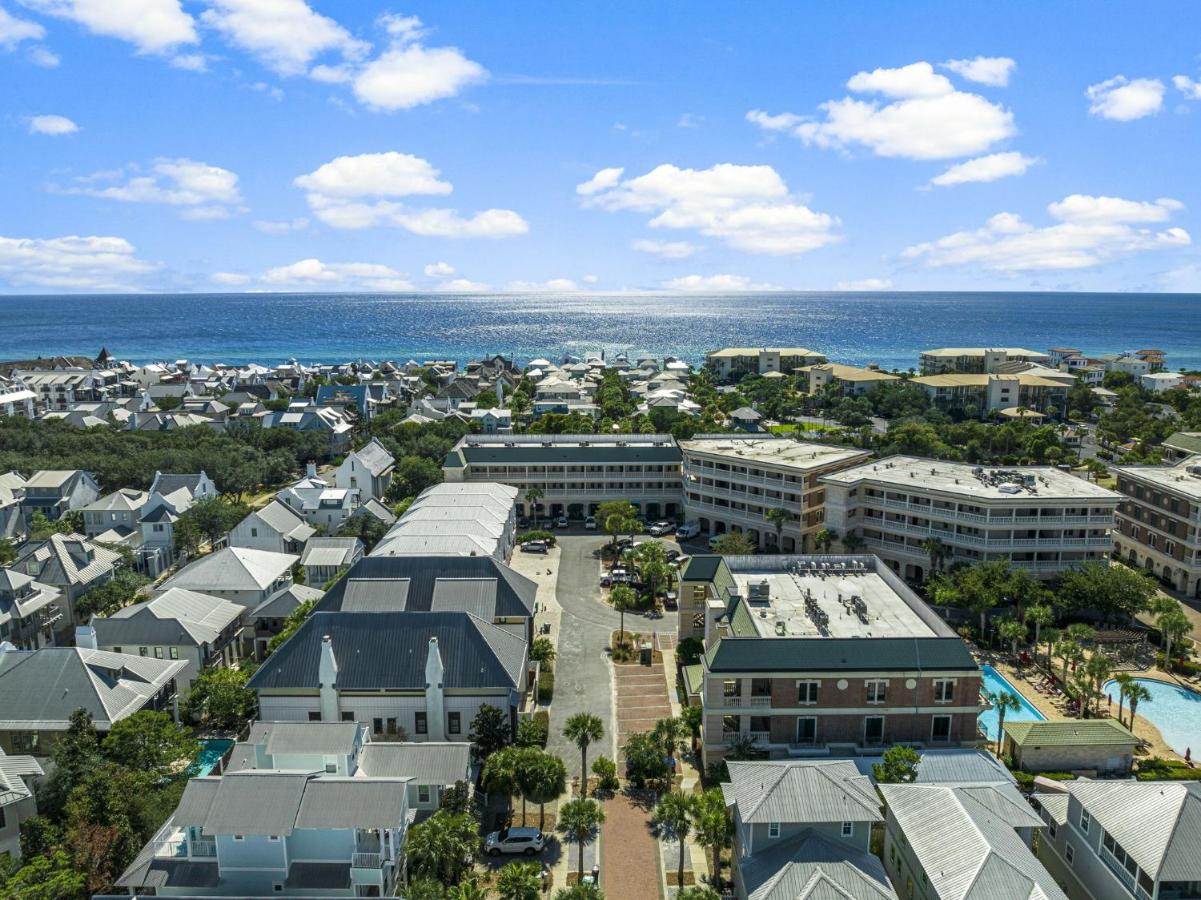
<point>366,860</point>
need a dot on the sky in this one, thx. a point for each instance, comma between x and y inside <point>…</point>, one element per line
<point>279,145</point>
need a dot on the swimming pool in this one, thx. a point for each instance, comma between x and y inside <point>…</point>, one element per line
<point>994,683</point>
<point>210,754</point>
<point>1174,710</point>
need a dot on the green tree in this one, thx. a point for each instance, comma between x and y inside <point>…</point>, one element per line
<point>583,729</point>
<point>149,741</point>
<point>1040,616</point>
<point>613,516</point>
<point>490,731</point>
<point>533,498</point>
<point>502,774</point>
<point>733,543</point>
<point>545,780</point>
<point>605,771</point>
<point>698,892</point>
<point>898,765</point>
<point>424,889</point>
<point>852,543</point>
<point>76,753</point>
<point>1136,694</point>
<point>1011,631</point>
<point>443,847</point>
<point>1115,591</point>
<point>673,815</point>
<point>937,551</point>
<point>623,597</point>
<point>214,516</point>
<point>112,596</point>
<point>1124,680</point>
<point>645,759</point>
<point>51,877</point>
<point>579,820</point>
<point>670,732</point>
<point>542,650</point>
<point>292,624</point>
<point>779,518</point>
<point>693,717</point>
<point>519,881</point>
<point>467,890</point>
<point>8,551</point>
<point>1004,702</point>
<point>1173,624</point>
<point>221,698</point>
<point>713,827</point>
<point>580,891</point>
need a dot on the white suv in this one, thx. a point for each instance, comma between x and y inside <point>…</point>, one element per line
<point>514,840</point>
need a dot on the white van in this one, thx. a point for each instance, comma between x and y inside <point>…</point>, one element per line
<point>688,530</point>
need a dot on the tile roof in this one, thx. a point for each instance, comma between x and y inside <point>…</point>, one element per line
<point>1069,733</point>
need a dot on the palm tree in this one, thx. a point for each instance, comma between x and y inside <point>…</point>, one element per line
<point>1137,693</point>
<point>583,729</point>
<point>1011,630</point>
<point>547,782</point>
<point>852,543</point>
<point>936,550</point>
<point>580,891</point>
<point>623,597</point>
<point>500,774</point>
<point>673,815</point>
<point>1051,636</point>
<point>466,890</point>
<point>779,517</point>
<point>713,827</point>
<point>442,846</point>
<point>519,881</point>
<point>578,820</point>
<point>1039,616</point>
<point>1004,702</point>
<point>1070,652</point>
<point>1082,686</point>
<point>670,732</point>
<point>1173,625</point>
<point>1098,668</point>
<point>533,494</point>
<point>1124,680</point>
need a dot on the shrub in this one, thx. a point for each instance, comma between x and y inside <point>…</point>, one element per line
<point>546,686</point>
<point>1187,666</point>
<point>644,759</point>
<point>537,535</point>
<point>1157,769</point>
<point>689,651</point>
<point>605,771</point>
<point>532,732</point>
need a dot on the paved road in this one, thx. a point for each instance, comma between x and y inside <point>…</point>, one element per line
<point>583,674</point>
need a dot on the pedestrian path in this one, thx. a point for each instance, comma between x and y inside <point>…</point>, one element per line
<point>629,851</point>
<point>641,700</point>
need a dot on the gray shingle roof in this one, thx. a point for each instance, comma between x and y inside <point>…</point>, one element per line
<point>802,792</point>
<point>426,762</point>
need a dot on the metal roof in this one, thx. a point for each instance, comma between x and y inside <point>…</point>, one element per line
<point>357,802</point>
<point>232,569</point>
<point>567,455</point>
<point>281,604</point>
<point>426,762</point>
<point>810,866</point>
<point>176,616</point>
<point>801,792</point>
<point>326,738</point>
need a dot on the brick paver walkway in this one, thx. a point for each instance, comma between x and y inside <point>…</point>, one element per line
<point>641,700</point>
<point>629,854</point>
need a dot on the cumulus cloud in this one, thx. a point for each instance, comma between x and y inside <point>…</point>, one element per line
<point>439,270</point>
<point>985,168</point>
<point>52,125</point>
<point>153,26</point>
<point>72,263</point>
<point>537,287</point>
<point>748,208</point>
<point>991,70</point>
<point>283,226</point>
<point>927,118</point>
<point>361,192</point>
<point>1191,89</point>
<point>13,30</point>
<point>44,57</point>
<point>666,249</point>
<point>207,191</point>
<point>190,62</point>
<point>865,284</point>
<point>286,35</point>
<point>463,286</point>
<point>706,284</point>
<point>229,279</point>
<point>310,273</point>
<point>1088,231</point>
<point>1124,100</point>
<point>409,74</point>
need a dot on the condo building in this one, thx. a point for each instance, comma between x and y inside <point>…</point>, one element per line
<point>731,363</point>
<point>1037,517</point>
<point>976,359</point>
<point>1159,522</point>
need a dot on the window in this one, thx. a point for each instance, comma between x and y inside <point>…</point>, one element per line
<point>377,726</point>
<point>729,725</point>
<point>944,690</point>
<point>390,726</point>
<point>419,723</point>
<point>423,793</point>
<point>1051,827</point>
<point>238,837</point>
<point>347,716</point>
<point>273,837</point>
<point>806,692</point>
<point>314,716</point>
<point>876,691</point>
<point>729,689</point>
<point>1069,853</point>
<point>158,652</point>
<point>277,887</point>
<point>454,722</point>
<point>873,729</point>
<point>1085,820</point>
<point>142,651</point>
<point>254,532</point>
<point>848,829</point>
<point>174,653</point>
<point>773,829</point>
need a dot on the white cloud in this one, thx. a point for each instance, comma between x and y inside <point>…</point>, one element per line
<point>44,57</point>
<point>1089,231</point>
<point>537,287</point>
<point>52,125</point>
<point>72,263</point>
<point>337,276</point>
<point>286,35</point>
<point>360,192</point>
<point>749,208</point>
<point>928,117</point>
<point>1124,100</point>
<point>865,284</point>
<point>153,26</point>
<point>14,30</point>
<point>991,70</point>
<point>666,249</point>
<point>985,168</point>
<point>281,227</point>
<point>590,279</point>
<point>703,284</point>
<point>229,279</point>
<point>1191,89</point>
<point>409,74</point>
<point>174,182</point>
<point>190,62</point>
<point>439,270</point>
<point>463,286</point>
<point>689,120</point>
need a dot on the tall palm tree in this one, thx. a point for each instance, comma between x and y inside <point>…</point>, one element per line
<point>1173,625</point>
<point>622,597</point>
<point>673,814</point>
<point>936,550</point>
<point>1070,652</point>
<point>670,732</point>
<point>1039,616</point>
<point>713,827</point>
<point>1004,702</point>
<point>1098,668</point>
<point>500,774</point>
<point>778,517</point>
<point>533,494</point>
<point>584,729</point>
<point>1124,681</point>
<point>547,782</point>
<point>1011,630</point>
<point>578,820</point>
<point>852,543</point>
<point>519,881</point>
<point>1137,693</point>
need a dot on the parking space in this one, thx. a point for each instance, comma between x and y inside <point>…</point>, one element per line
<point>641,700</point>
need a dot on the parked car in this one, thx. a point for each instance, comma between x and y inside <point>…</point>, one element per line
<point>714,539</point>
<point>590,523</point>
<point>671,601</point>
<point>535,547</point>
<point>514,840</point>
<point>561,522</point>
<point>673,555</point>
<point>661,528</point>
<point>688,530</point>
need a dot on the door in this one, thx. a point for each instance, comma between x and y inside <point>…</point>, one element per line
<point>873,730</point>
<point>940,729</point>
<point>806,730</point>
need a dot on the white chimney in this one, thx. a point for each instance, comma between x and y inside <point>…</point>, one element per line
<point>500,392</point>
<point>328,675</point>
<point>85,637</point>
<point>310,470</point>
<point>435,714</point>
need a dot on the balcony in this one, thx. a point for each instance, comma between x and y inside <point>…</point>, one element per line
<point>995,520</point>
<point>761,701</point>
<point>366,860</point>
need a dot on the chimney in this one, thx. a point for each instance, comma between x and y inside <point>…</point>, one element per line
<point>85,637</point>
<point>328,675</point>
<point>435,714</point>
<point>310,470</point>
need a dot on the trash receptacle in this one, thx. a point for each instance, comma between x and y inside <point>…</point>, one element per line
<point>647,654</point>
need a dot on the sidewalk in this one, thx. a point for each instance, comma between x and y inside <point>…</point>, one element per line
<point>629,854</point>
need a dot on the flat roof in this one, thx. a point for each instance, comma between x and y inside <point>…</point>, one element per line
<point>755,351</point>
<point>778,451</point>
<point>980,351</point>
<point>1177,479</point>
<point>1015,483</point>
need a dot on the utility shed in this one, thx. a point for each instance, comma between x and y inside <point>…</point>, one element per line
<point>1070,745</point>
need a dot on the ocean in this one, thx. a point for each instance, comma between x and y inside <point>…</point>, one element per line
<point>889,329</point>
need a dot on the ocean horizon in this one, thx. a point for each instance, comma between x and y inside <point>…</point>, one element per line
<point>889,329</point>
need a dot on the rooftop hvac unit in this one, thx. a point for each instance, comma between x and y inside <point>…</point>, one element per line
<point>1009,488</point>
<point>781,629</point>
<point>1194,470</point>
<point>760,591</point>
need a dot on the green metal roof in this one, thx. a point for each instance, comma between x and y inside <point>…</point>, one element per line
<point>557,454</point>
<point>1069,733</point>
<point>694,678</point>
<point>701,568</point>
<point>754,654</point>
<point>453,461</point>
<point>1189,441</point>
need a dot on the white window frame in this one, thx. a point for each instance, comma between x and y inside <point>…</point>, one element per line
<point>848,829</point>
<point>1085,820</point>
<point>1069,854</point>
<point>773,829</point>
<point>809,687</point>
<point>939,684</point>
<point>873,686</point>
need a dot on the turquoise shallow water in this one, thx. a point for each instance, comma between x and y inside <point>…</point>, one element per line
<point>210,754</point>
<point>995,682</point>
<point>889,329</point>
<point>1174,710</point>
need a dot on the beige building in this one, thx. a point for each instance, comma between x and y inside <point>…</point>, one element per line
<point>1037,517</point>
<point>848,380</point>
<point>1159,522</point>
<point>976,359</point>
<point>732,363</point>
<point>1070,745</point>
<point>732,482</point>
<point>1000,392</point>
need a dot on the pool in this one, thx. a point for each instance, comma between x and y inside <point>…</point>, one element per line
<point>210,754</point>
<point>1174,710</point>
<point>994,683</point>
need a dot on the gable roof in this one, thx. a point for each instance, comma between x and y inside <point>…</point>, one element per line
<point>232,569</point>
<point>425,762</point>
<point>330,551</point>
<point>168,618</point>
<point>286,522</point>
<point>332,738</point>
<point>808,792</point>
<point>809,866</point>
<point>168,483</point>
<point>66,559</point>
<point>374,457</point>
<point>281,604</point>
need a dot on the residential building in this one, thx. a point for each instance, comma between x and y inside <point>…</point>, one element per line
<point>201,630</point>
<point>985,393</point>
<point>733,482</point>
<point>54,492</point>
<point>63,389</point>
<point>284,834</point>
<point>198,485</point>
<point>1036,517</point>
<point>29,610</point>
<point>802,829</point>
<point>1157,522</point>
<point>1180,445</point>
<point>275,528</point>
<point>326,557</point>
<point>420,676</point>
<point>732,363</point>
<point>12,518</point>
<point>367,470</point>
<point>975,359</point>
<point>72,564</point>
<point>17,801</point>
<point>847,381</point>
<point>468,517</point>
<point>1070,745</point>
<point>1158,382</point>
<point>1123,838</point>
<point>245,577</point>
<point>330,422</point>
<point>574,473</point>
<point>318,502</point>
<point>493,420</point>
<point>969,842</point>
<point>805,654</point>
<point>121,510</point>
<point>110,686</point>
<point>268,618</point>
<point>1133,366</point>
<point>432,768</point>
<point>16,399</point>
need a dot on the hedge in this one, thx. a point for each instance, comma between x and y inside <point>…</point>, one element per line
<point>538,535</point>
<point>546,686</point>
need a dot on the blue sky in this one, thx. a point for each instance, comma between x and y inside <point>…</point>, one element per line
<point>229,145</point>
